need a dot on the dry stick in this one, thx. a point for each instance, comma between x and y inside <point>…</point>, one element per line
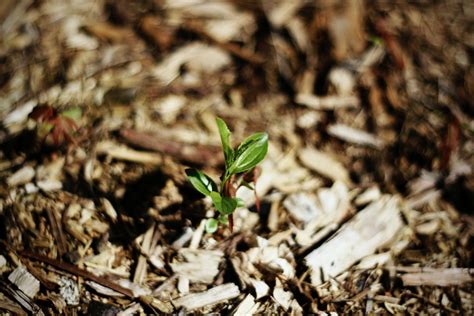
<point>78,272</point>
<point>200,154</point>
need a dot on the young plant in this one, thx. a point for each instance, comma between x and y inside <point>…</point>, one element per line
<point>60,126</point>
<point>240,170</point>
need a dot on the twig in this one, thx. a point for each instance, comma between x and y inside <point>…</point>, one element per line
<point>78,272</point>
<point>200,154</point>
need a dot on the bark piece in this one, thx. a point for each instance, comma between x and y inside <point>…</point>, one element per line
<point>373,227</point>
<point>212,296</point>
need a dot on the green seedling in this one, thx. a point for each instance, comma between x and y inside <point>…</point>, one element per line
<point>240,170</point>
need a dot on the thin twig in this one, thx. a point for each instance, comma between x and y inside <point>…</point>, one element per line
<point>79,272</point>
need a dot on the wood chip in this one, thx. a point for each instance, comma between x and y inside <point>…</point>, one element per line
<point>354,136</point>
<point>261,288</point>
<point>373,227</point>
<point>69,290</point>
<point>25,281</point>
<point>247,306</point>
<point>212,296</point>
<point>439,277</point>
<point>21,176</point>
<point>328,102</point>
<point>324,164</point>
<point>197,56</point>
<point>122,152</point>
<point>282,297</point>
<point>198,265</point>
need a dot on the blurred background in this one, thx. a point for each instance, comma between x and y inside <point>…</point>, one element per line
<point>111,99</point>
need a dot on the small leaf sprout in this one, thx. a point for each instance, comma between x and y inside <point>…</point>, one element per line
<point>240,170</point>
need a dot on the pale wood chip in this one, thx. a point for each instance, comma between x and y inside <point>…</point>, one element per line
<point>282,297</point>
<point>284,11</point>
<point>198,265</point>
<point>439,277</point>
<point>21,176</point>
<point>261,288</point>
<point>212,296</point>
<point>248,306</point>
<point>327,102</point>
<point>122,152</point>
<point>373,227</point>
<point>355,136</point>
<point>324,164</point>
<point>196,56</point>
<point>141,269</point>
<point>25,281</point>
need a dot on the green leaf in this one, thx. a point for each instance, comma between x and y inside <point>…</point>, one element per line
<point>249,153</point>
<point>225,139</point>
<point>211,225</point>
<point>225,205</point>
<point>216,200</point>
<point>201,181</point>
<point>73,113</point>
<point>240,202</point>
<point>224,219</point>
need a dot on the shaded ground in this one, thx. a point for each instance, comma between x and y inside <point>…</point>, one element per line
<point>367,189</point>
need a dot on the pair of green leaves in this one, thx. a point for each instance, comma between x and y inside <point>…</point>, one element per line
<point>204,184</point>
<point>244,158</point>
<point>224,205</point>
<point>249,153</point>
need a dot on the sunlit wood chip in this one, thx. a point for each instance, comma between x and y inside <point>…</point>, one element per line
<point>324,164</point>
<point>212,296</point>
<point>22,176</point>
<point>122,152</point>
<point>247,306</point>
<point>25,281</point>
<point>439,277</point>
<point>354,136</point>
<point>198,265</point>
<point>373,227</point>
<point>327,102</point>
<point>198,57</point>
<point>261,288</point>
<point>282,297</point>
